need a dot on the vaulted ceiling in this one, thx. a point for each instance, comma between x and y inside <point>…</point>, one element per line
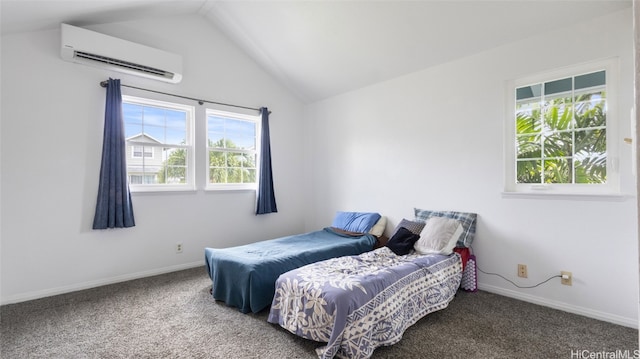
<point>319,49</point>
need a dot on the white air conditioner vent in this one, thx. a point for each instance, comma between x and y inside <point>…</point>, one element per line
<point>129,65</point>
<point>99,50</point>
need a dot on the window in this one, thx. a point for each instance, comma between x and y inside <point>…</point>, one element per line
<point>159,144</point>
<point>147,179</point>
<point>141,151</point>
<point>560,129</point>
<point>232,140</point>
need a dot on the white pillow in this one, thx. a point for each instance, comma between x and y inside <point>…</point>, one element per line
<point>439,236</point>
<point>378,228</point>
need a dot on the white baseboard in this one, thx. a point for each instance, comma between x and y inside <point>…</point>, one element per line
<point>607,317</point>
<point>23,297</point>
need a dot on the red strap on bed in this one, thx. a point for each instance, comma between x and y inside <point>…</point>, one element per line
<point>464,253</point>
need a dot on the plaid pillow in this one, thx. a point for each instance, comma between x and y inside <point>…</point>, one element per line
<point>414,227</point>
<point>468,221</point>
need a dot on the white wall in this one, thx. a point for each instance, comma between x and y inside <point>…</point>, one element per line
<point>434,140</point>
<point>52,120</point>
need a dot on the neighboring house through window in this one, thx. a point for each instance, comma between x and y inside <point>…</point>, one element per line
<point>159,142</point>
<point>161,147</point>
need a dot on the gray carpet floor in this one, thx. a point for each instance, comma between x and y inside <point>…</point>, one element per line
<point>174,316</point>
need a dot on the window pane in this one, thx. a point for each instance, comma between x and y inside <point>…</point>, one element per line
<point>558,86</point>
<point>237,159</point>
<point>135,179</point>
<point>175,136</point>
<point>216,140</point>
<point>154,133</point>
<point>529,171</point>
<point>142,170</point>
<point>234,175</point>
<point>176,127</point>
<point>591,141</point>
<point>173,167</point>
<point>527,92</point>
<point>230,133</point>
<point>528,116</point>
<point>215,131</point>
<point>153,116</point>
<point>591,167</point>
<point>558,144</point>
<point>591,156</point>
<point>175,119</point>
<point>215,124</point>
<point>249,176</point>
<point>232,167</point>
<point>133,112</point>
<point>217,175</point>
<point>242,134</point>
<point>132,119</point>
<point>251,159</point>
<point>590,109</point>
<point>590,80</point>
<point>159,125</point>
<point>529,147</point>
<point>557,113</point>
<point>217,159</point>
<point>558,171</point>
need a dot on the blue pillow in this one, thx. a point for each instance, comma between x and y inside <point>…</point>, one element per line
<point>402,241</point>
<point>360,222</point>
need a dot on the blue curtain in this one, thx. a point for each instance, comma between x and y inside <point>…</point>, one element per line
<point>114,208</point>
<point>266,196</point>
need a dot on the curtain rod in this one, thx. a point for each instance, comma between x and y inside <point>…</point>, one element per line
<point>201,102</point>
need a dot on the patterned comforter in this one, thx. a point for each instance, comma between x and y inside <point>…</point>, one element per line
<point>358,303</point>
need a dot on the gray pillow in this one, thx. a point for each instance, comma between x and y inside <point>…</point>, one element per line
<point>414,227</point>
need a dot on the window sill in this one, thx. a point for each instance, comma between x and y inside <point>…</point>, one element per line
<point>135,191</point>
<point>230,188</point>
<point>606,197</point>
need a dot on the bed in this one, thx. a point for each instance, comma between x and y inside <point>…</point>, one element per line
<point>357,303</point>
<point>245,276</point>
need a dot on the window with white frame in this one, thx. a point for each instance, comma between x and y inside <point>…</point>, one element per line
<point>560,130</point>
<point>141,151</point>
<point>159,144</point>
<point>232,156</point>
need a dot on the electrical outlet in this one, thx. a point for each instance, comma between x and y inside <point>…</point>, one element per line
<point>522,270</point>
<point>566,278</point>
<point>178,247</point>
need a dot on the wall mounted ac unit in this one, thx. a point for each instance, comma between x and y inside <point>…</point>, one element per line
<point>95,49</point>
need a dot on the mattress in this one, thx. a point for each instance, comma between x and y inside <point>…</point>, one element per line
<point>358,303</point>
<point>245,276</point>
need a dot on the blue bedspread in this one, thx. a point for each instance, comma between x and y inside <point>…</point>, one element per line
<point>245,276</point>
